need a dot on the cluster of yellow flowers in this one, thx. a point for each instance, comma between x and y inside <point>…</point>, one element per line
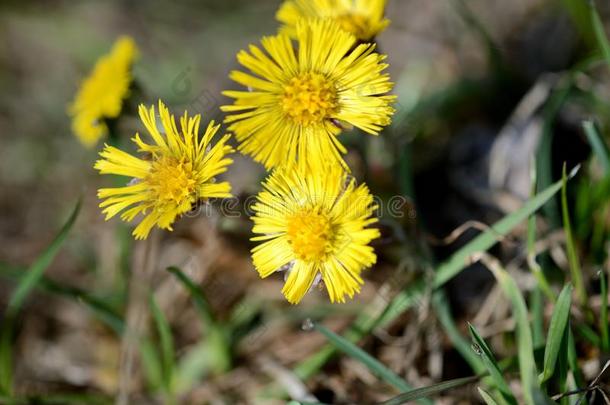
<point>304,86</point>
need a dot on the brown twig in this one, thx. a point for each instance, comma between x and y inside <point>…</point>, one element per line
<point>139,285</point>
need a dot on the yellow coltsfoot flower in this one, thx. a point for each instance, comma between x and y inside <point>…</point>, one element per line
<point>101,94</point>
<point>298,100</point>
<point>314,225</point>
<point>363,18</point>
<point>180,172</point>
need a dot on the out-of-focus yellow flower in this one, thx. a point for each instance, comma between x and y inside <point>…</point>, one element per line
<point>363,18</point>
<point>298,100</point>
<point>314,225</point>
<point>101,94</point>
<point>180,172</point>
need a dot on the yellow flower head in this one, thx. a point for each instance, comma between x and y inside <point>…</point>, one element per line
<point>315,226</point>
<point>180,171</point>
<point>101,94</point>
<point>297,100</point>
<point>363,18</point>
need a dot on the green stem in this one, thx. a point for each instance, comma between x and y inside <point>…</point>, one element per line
<point>603,317</point>
<point>574,263</point>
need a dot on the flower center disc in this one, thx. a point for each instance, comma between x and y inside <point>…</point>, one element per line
<point>310,234</point>
<point>172,180</point>
<point>309,98</point>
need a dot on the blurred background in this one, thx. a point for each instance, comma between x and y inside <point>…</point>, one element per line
<point>482,85</point>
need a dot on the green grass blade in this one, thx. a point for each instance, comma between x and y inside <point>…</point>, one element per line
<point>369,361</point>
<point>573,260</point>
<point>40,265</point>
<point>430,391</point>
<point>603,312</point>
<point>151,365</point>
<point>201,303</point>
<point>537,310</point>
<point>578,11</point>
<point>563,366</point>
<point>540,398</point>
<point>97,305</point>
<point>103,312</point>
<point>217,345</point>
<point>588,334</point>
<point>491,365</point>
<point>25,286</point>
<point>100,308</point>
<point>443,313</point>
<point>405,299</point>
<point>535,268</point>
<point>194,364</point>
<point>597,144</point>
<point>544,159</point>
<point>210,355</point>
<point>167,344</point>
<point>470,19</point>
<point>487,239</point>
<point>525,345</point>
<point>573,360</point>
<point>557,328</point>
<point>600,33</point>
<point>486,397</point>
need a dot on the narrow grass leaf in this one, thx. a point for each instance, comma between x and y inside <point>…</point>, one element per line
<point>535,268</point>
<point>167,344</point>
<point>600,33</point>
<point>193,366</point>
<point>151,365</point>
<point>426,392</point>
<point>443,313</point>
<point>217,344</point>
<point>588,334</point>
<point>525,345</point>
<point>104,312</point>
<point>493,50</point>
<point>369,361</point>
<point>597,144</point>
<point>491,365</point>
<point>100,308</point>
<point>358,354</point>
<point>603,312</point>
<point>563,365</point>
<point>536,303</point>
<point>410,296</point>
<point>540,398</point>
<point>489,238</point>
<point>578,11</point>
<point>544,158</point>
<point>40,265</point>
<point>201,303</point>
<point>210,355</point>
<point>573,260</point>
<point>486,397</point>
<point>557,329</point>
<point>25,286</point>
